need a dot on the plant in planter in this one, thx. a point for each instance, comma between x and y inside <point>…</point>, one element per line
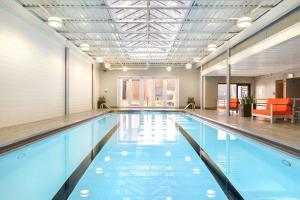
<point>245,106</point>
<point>100,101</point>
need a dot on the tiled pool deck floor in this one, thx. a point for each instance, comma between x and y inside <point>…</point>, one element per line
<point>281,132</point>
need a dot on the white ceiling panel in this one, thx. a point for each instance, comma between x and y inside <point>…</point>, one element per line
<point>282,57</point>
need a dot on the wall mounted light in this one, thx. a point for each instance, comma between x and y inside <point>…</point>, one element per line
<point>55,22</point>
<point>244,22</point>
<point>85,47</point>
<point>169,69</point>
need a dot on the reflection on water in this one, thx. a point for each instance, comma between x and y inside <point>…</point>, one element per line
<point>147,129</point>
<point>256,170</point>
<point>148,160</point>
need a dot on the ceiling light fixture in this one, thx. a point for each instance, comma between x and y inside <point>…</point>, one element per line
<point>85,47</point>
<point>125,69</point>
<point>99,59</point>
<point>188,66</point>
<point>197,59</point>
<point>169,69</point>
<point>244,22</point>
<point>212,47</point>
<point>107,65</point>
<point>55,22</point>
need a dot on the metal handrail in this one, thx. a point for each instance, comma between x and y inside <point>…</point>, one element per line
<point>192,104</point>
<point>104,104</point>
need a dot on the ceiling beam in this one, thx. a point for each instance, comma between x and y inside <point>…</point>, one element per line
<point>199,6</point>
<point>150,46</point>
<point>145,32</point>
<point>145,40</point>
<point>155,21</point>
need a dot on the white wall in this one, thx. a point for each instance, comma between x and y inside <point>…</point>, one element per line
<point>32,72</point>
<point>188,82</point>
<point>80,82</point>
<point>265,85</point>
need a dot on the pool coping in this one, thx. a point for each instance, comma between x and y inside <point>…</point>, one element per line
<point>20,142</point>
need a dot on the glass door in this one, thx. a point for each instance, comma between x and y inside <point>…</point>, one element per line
<point>124,85</point>
<point>148,92</point>
<point>159,93</point>
<point>135,93</point>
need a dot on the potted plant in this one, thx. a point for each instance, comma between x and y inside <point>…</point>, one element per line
<point>245,106</point>
<point>100,101</point>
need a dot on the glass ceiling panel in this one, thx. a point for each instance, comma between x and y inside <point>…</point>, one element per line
<point>151,24</point>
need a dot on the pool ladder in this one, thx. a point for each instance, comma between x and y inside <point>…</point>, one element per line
<point>102,105</point>
<point>190,104</point>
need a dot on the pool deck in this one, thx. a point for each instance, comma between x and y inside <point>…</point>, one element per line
<point>280,132</point>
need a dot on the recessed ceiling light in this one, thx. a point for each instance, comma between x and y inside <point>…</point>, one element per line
<point>99,59</point>
<point>212,47</point>
<point>220,67</point>
<point>197,59</point>
<point>125,69</point>
<point>188,66</point>
<point>54,21</point>
<point>107,65</point>
<point>169,69</point>
<point>85,47</point>
<point>244,22</point>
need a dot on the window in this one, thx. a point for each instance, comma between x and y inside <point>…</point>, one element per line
<point>237,90</point>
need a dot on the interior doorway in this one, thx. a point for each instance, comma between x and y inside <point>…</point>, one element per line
<point>279,89</point>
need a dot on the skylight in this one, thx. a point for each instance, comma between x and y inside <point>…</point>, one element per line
<point>150,23</point>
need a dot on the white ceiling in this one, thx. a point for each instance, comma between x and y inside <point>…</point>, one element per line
<point>282,57</point>
<point>156,32</point>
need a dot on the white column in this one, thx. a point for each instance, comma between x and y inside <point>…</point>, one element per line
<point>201,89</point>
<point>228,76</point>
<point>67,81</point>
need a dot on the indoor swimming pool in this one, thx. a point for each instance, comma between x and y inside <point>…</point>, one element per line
<point>145,155</point>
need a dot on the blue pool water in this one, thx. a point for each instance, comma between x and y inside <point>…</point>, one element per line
<point>148,158</point>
